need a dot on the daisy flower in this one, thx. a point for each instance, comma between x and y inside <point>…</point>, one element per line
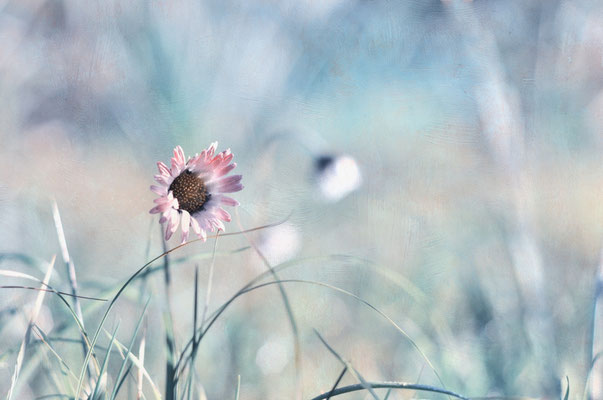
<point>191,192</point>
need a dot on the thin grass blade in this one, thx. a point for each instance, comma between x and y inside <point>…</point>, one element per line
<point>123,364</point>
<point>32,320</point>
<point>104,366</point>
<point>348,366</point>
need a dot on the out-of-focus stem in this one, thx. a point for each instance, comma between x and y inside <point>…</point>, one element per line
<point>596,350</point>
<point>500,116</point>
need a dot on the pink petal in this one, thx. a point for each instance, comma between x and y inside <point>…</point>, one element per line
<point>228,201</point>
<point>163,169</point>
<point>168,234</point>
<point>198,230</point>
<point>178,161</point>
<point>174,220</point>
<point>162,179</point>
<point>224,170</point>
<point>215,163</point>
<point>179,155</point>
<point>185,224</point>
<point>212,149</point>
<point>229,184</point>
<point>204,223</point>
<point>160,190</point>
<point>218,224</point>
<point>160,208</point>
<point>222,214</point>
<point>232,188</point>
<point>195,226</point>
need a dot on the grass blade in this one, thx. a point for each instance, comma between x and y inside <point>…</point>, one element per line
<point>349,366</point>
<point>287,305</point>
<point>45,340</point>
<point>238,390</point>
<point>135,275</point>
<point>141,350</point>
<point>168,318</point>
<point>32,320</point>
<point>345,369</point>
<point>390,385</point>
<point>48,290</point>
<point>70,272</point>
<point>595,387</point>
<point>104,366</point>
<point>123,364</point>
<point>191,370</point>
<point>137,362</point>
<point>331,287</point>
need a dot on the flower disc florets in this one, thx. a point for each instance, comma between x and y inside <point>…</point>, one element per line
<point>190,191</point>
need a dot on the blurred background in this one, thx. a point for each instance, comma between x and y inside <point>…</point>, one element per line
<point>442,160</point>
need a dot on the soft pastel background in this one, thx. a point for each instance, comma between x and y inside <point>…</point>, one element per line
<point>478,127</point>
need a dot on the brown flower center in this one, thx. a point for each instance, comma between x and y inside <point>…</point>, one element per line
<point>190,191</point>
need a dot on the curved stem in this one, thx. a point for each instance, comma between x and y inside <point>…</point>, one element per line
<point>390,385</point>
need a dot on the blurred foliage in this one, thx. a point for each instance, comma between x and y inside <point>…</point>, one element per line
<point>478,130</point>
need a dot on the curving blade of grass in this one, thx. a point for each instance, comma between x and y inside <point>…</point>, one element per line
<point>348,366</point>
<point>15,274</point>
<point>49,290</point>
<point>339,378</point>
<point>150,270</point>
<point>193,257</point>
<point>44,339</point>
<point>104,366</point>
<point>58,377</point>
<point>181,362</point>
<point>331,287</point>
<point>390,385</point>
<point>21,275</point>
<point>262,276</point>
<point>32,320</point>
<point>123,364</point>
<point>138,363</point>
<point>137,273</point>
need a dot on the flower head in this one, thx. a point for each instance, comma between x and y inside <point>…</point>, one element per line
<point>191,192</point>
<point>337,176</point>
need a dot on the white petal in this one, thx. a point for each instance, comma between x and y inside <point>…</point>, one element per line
<point>185,224</point>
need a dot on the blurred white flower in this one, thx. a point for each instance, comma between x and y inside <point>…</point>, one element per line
<point>337,176</point>
<point>280,243</point>
<point>274,355</point>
